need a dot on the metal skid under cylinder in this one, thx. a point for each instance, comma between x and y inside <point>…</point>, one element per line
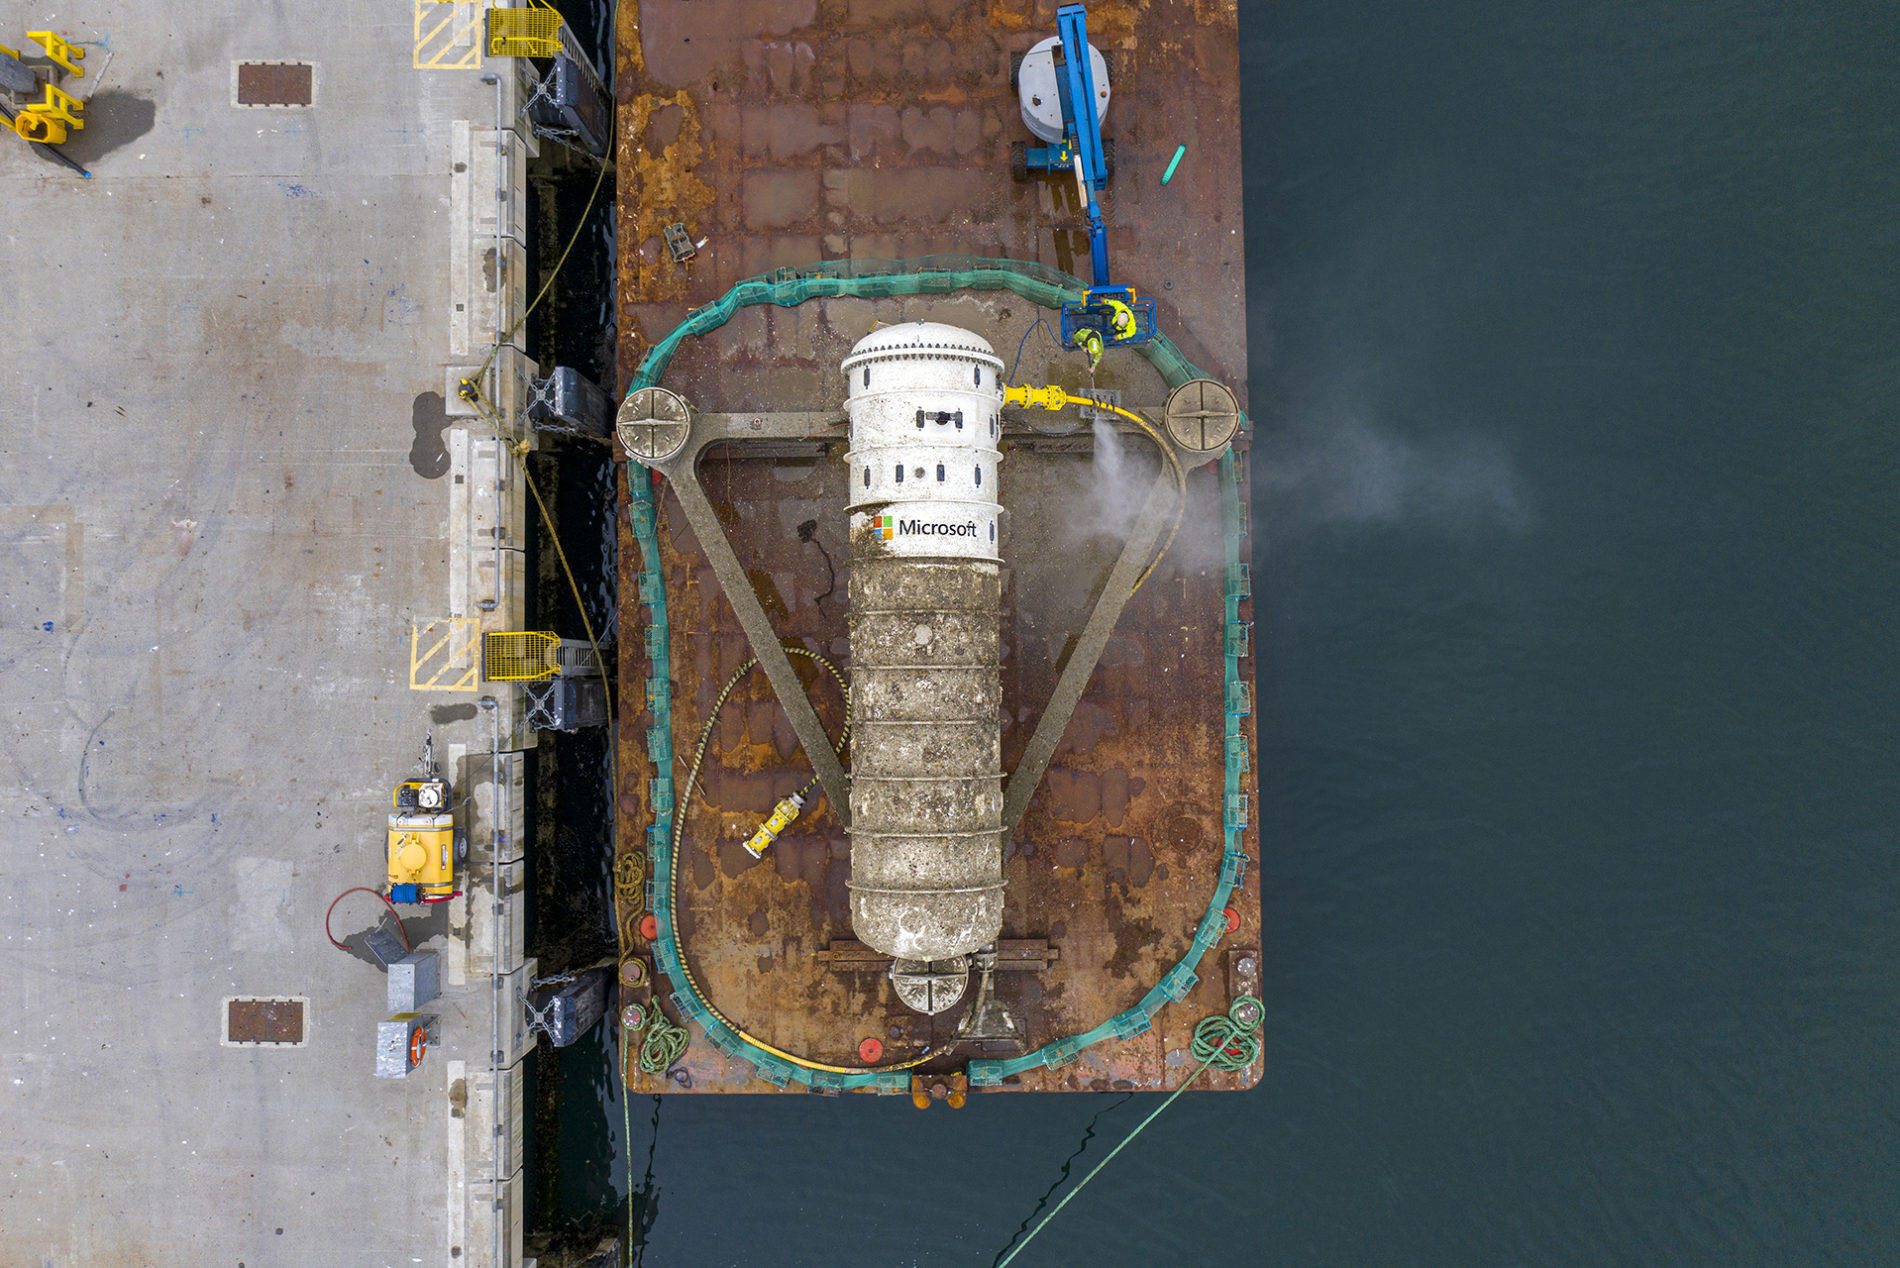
<point>926,884</point>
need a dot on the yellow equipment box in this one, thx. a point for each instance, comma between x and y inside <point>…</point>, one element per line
<point>423,846</point>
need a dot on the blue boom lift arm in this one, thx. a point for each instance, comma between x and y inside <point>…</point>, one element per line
<point>1113,312</point>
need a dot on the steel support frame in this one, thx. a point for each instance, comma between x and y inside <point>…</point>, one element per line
<point>1080,665</point>
<point>682,473</point>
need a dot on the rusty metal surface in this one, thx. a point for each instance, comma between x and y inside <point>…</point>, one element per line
<point>264,1021</point>
<point>273,84</point>
<point>786,133</point>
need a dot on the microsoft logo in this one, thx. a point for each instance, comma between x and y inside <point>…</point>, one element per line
<point>890,527</point>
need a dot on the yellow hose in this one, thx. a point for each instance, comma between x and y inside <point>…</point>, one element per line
<point>1053,398</point>
<point>679,833</point>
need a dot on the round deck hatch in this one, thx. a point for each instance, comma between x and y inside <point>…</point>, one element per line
<point>653,424</point>
<point>1202,416</point>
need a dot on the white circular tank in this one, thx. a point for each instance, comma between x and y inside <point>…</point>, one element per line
<point>926,402</point>
<point>1037,93</point>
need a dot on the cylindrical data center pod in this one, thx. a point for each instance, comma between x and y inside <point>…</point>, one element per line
<point>925,402</point>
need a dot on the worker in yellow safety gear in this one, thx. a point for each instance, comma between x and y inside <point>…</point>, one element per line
<point>1122,319</point>
<point>1092,346</point>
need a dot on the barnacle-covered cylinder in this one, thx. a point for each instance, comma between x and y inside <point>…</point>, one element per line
<point>925,402</point>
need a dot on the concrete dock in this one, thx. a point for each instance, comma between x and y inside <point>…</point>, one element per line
<point>240,502</point>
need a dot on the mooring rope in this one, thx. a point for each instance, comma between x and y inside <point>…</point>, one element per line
<point>1224,1041</point>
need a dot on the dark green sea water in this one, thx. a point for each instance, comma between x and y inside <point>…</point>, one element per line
<point>1574,337</point>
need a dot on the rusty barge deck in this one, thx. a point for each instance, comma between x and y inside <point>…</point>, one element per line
<point>786,134</point>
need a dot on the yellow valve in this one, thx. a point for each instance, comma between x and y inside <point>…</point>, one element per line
<point>60,51</point>
<point>782,816</point>
<point>1049,398</point>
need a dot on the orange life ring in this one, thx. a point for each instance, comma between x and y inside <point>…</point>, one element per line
<point>418,1044</point>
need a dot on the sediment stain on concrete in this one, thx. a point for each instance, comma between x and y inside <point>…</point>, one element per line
<point>113,119</point>
<point>429,455</point>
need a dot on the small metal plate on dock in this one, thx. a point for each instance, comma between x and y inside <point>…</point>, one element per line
<point>265,1022</point>
<point>274,84</point>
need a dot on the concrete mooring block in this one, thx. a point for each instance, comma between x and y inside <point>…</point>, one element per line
<point>414,980</point>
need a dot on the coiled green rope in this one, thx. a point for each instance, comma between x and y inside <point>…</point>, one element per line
<point>630,892</point>
<point>1230,1040</point>
<point>630,875</point>
<point>664,1044</point>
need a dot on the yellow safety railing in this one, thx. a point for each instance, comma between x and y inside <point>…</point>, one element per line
<point>525,656</point>
<point>528,32</point>
<point>48,120</point>
<point>68,55</point>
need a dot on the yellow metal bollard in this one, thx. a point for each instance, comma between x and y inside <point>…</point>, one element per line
<point>60,51</point>
<point>29,125</point>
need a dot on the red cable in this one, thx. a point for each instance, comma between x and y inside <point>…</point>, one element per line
<point>364,889</point>
<point>444,898</point>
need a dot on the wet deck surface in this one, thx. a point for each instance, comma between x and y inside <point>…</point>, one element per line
<point>784,134</point>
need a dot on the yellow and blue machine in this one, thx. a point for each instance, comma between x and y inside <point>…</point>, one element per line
<point>423,847</point>
<point>1108,315</point>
